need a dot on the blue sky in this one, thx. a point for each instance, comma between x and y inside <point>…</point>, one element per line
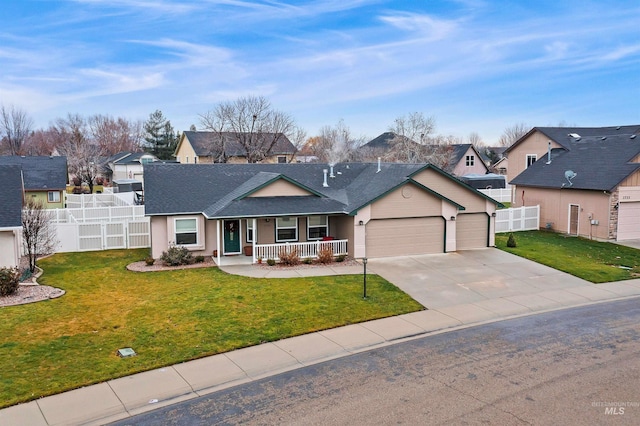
<point>475,66</point>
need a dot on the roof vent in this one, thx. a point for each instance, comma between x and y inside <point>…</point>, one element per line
<point>331,175</point>
<point>379,165</point>
<point>604,138</point>
<point>574,135</point>
<point>324,183</point>
<point>618,128</point>
<point>633,136</point>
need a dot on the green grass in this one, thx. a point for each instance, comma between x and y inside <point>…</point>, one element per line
<point>167,317</point>
<point>590,260</point>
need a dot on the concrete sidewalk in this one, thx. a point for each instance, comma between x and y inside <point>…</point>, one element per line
<point>121,398</point>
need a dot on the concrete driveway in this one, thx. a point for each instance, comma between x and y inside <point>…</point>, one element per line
<point>484,277</point>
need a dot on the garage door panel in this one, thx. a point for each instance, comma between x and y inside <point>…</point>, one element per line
<point>629,221</point>
<point>472,231</point>
<point>403,237</point>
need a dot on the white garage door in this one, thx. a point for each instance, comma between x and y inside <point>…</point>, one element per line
<point>472,231</point>
<point>402,237</point>
<point>629,221</point>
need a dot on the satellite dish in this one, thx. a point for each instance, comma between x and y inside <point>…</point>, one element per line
<point>569,175</point>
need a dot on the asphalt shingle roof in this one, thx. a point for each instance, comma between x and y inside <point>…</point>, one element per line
<point>10,196</point>
<point>201,142</point>
<point>600,164</point>
<point>40,173</point>
<point>218,190</point>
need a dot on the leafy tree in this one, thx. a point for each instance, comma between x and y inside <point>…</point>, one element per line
<point>16,125</point>
<point>38,234</point>
<point>160,138</point>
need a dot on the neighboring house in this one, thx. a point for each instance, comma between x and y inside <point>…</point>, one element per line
<point>127,165</point>
<point>45,178</point>
<point>501,166</point>
<point>466,160</point>
<point>10,215</point>
<point>586,180</point>
<point>461,159</point>
<point>372,210</point>
<point>204,147</point>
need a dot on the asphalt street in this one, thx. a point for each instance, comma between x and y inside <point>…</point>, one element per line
<point>575,366</point>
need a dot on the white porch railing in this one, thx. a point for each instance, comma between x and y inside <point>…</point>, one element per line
<point>518,219</point>
<point>304,250</point>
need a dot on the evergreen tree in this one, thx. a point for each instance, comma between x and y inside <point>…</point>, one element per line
<point>160,138</point>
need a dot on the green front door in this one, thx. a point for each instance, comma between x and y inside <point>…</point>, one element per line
<point>231,236</point>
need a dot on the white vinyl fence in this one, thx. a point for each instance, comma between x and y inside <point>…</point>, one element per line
<point>499,194</point>
<point>81,201</point>
<point>101,228</point>
<point>518,219</point>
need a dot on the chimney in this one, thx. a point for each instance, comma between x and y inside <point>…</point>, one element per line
<point>379,169</point>
<point>324,183</point>
<point>549,154</point>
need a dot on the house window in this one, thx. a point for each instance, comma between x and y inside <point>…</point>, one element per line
<point>146,159</point>
<point>186,231</point>
<point>186,160</point>
<point>286,229</point>
<point>249,230</point>
<point>282,159</point>
<point>53,196</point>
<point>317,227</point>
<point>470,160</point>
<point>531,158</point>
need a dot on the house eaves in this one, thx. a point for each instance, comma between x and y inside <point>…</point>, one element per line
<point>278,177</point>
<point>458,181</point>
<point>405,182</point>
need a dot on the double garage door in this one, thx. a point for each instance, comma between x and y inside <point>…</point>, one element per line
<point>425,235</point>
<point>629,221</point>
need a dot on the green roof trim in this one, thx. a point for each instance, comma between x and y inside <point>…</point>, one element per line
<point>280,176</point>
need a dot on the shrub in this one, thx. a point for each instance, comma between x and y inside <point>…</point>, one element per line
<point>325,255</point>
<point>9,281</point>
<point>149,261</point>
<point>307,261</point>
<point>271,262</point>
<point>289,258</point>
<point>340,258</point>
<point>176,256</point>
<point>199,259</point>
<point>511,242</point>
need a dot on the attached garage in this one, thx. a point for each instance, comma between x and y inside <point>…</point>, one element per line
<point>629,221</point>
<point>403,237</point>
<point>472,231</point>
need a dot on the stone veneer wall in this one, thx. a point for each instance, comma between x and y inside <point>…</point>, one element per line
<point>613,214</point>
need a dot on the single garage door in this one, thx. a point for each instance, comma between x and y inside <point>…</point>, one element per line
<point>403,237</point>
<point>629,221</point>
<point>472,231</point>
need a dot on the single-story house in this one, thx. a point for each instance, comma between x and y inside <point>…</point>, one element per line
<point>585,185</point>
<point>10,215</point>
<point>203,147</point>
<point>359,209</point>
<point>45,178</point>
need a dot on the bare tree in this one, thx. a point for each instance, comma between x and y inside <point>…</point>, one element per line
<point>336,144</point>
<point>253,123</point>
<point>512,134</point>
<point>475,140</point>
<point>298,138</point>
<point>38,233</point>
<point>16,125</point>
<point>41,142</point>
<point>115,135</point>
<point>83,156</point>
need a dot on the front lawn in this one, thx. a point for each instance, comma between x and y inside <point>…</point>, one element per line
<point>166,317</point>
<point>590,260</point>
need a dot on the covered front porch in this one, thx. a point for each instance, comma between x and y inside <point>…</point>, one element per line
<point>252,240</point>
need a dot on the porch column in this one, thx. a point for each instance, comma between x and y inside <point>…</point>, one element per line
<point>254,240</point>
<point>218,241</point>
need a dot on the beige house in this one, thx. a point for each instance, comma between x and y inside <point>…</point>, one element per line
<point>11,192</point>
<point>586,180</point>
<point>200,147</point>
<point>356,209</point>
